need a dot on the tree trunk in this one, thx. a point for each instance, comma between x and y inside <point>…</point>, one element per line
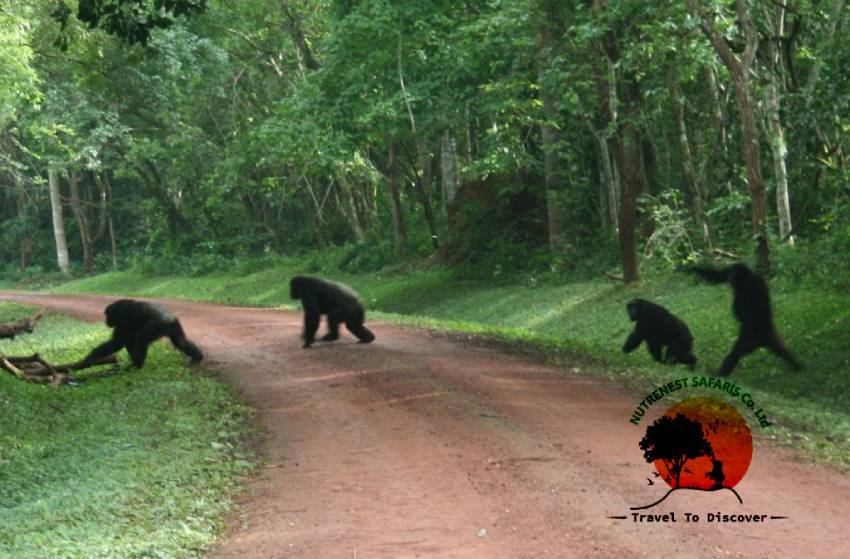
<point>178,225</point>
<point>82,221</point>
<point>395,202</point>
<point>553,180</point>
<point>739,69</point>
<point>25,242</point>
<point>299,39</point>
<point>113,244</point>
<point>449,179</point>
<point>752,158</point>
<point>688,173</point>
<point>779,152</point>
<point>426,178</point>
<point>554,177</point>
<point>103,193</point>
<point>422,156</point>
<point>605,120</point>
<point>58,222</point>
<point>721,170</point>
<point>628,153</point>
<point>776,137</point>
<point>627,150</point>
<point>610,186</point>
<point>349,203</point>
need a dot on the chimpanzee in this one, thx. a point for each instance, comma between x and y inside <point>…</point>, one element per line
<point>137,324</point>
<point>338,301</point>
<point>659,328</point>
<point>751,307</point>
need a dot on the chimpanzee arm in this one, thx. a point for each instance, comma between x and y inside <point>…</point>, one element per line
<point>633,341</point>
<point>113,345</point>
<point>711,275</point>
<point>311,319</point>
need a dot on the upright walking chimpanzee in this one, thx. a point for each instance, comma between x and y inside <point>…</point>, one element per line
<point>751,307</point>
<point>658,327</point>
<point>137,324</point>
<point>338,301</point>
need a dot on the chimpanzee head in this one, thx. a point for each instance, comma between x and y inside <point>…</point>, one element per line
<point>296,287</point>
<point>633,307</point>
<point>114,312</point>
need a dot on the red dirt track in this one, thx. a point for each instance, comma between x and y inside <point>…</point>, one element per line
<point>418,445</point>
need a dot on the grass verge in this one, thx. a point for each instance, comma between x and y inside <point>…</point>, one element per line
<point>140,464</point>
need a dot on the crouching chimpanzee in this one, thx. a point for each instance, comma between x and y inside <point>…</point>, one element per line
<point>658,327</point>
<point>137,324</point>
<point>339,302</point>
<point>751,307</point>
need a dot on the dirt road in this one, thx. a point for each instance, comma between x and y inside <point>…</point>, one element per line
<point>420,446</point>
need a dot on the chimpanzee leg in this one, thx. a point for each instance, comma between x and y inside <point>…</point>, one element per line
<point>149,333</point>
<point>744,345</point>
<point>655,350</point>
<point>334,319</point>
<point>179,340</point>
<point>354,322</point>
<point>311,324</point>
<point>679,351</point>
<point>775,345</point>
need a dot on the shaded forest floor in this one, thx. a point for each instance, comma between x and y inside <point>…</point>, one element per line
<point>584,322</point>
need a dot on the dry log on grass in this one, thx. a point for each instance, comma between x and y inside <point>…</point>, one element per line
<point>34,368</point>
<point>613,277</point>
<point>11,329</point>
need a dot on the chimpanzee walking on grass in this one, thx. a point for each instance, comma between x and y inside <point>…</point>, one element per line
<point>137,324</point>
<point>751,307</point>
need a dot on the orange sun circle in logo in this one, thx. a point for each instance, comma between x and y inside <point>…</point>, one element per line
<point>724,460</point>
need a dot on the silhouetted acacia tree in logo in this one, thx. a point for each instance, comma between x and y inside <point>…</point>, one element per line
<point>675,441</point>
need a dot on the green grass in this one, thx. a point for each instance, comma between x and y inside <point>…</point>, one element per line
<point>585,322</point>
<point>134,465</point>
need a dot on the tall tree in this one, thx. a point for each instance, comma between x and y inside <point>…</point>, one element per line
<point>776,135</point>
<point>58,220</point>
<point>628,144</point>
<point>551,29</point>
<point>740,68</point>
<point>688,170</point>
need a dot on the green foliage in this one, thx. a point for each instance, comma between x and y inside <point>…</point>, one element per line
<point>19,78</point>
<point>264,127</point>
<point>134,465</point>
<point>130,20</point>
<point>670,243</point>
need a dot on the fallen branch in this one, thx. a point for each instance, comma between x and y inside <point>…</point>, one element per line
<point>612,277</point>
<point>11,329</point>
<point>34,368</point>
<point>726,254</point>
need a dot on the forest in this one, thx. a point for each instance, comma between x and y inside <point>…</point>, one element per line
<point>530,135</point>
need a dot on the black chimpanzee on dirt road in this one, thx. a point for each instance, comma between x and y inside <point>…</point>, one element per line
<point>338,301</point>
